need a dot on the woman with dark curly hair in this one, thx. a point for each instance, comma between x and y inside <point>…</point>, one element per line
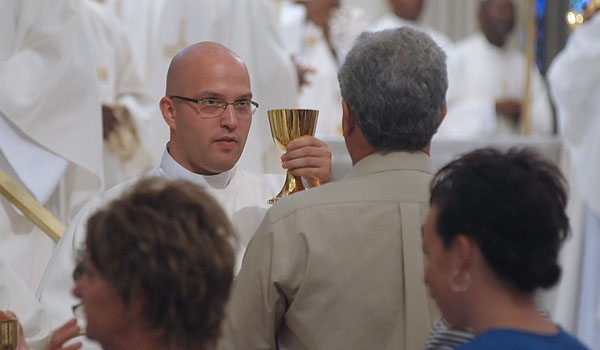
<point>157,268</point>
<point>492,238</point>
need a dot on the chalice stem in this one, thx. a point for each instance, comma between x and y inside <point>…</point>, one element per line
<point>292,185</point>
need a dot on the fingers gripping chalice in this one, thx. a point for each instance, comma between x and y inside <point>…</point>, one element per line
<point>286,125</point>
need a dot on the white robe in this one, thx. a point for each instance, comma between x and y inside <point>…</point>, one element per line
<point>120,84</point>
<point>242,194</point>
<point>574,80</point>
<point>249,28</point>
<point>480,73</point>
<point>51,140</point>
<point>307,43</point>
<point>23,303</point>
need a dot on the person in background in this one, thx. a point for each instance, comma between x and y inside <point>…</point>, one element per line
<point>50,132</point>
<point>574,79</point>
<point>487,81</point>
<point>318,34</point>
<point>126,104</point>
<point>209,109</point>
<point>307,279</point>
<point>492,239</point>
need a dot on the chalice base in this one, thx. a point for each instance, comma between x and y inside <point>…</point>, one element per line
<point>292,184</point>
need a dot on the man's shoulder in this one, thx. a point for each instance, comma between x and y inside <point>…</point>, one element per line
<point>112,193</point>
<point>381,187</point>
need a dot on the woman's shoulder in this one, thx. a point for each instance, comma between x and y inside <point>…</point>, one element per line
<point>521,340</point>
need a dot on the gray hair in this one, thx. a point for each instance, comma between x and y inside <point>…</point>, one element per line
<point>394,83</point>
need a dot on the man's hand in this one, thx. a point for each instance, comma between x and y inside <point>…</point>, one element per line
<point>309,158</point>
<point>303,72</point>
<point>67,331</point>
<point>109,121</point>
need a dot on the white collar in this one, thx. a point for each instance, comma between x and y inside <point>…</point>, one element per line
<point>174,170</point>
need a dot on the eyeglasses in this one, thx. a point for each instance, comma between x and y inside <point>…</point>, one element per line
<point>213,108</point>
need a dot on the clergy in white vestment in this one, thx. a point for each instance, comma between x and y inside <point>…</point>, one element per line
<point>574,80</point>
<point>208,107</point>
<point>126,105</point>
<point>316,34</point>
<point>50,126</point>
<point>250,28</point>
<point>407,13</point>
<point>487,79</point>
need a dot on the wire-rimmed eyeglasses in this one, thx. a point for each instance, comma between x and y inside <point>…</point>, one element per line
<point>213,108</point>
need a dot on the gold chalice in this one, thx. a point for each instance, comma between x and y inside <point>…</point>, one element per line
<point>9,325</point>
<point>286,125</point>
<point>9,334</point>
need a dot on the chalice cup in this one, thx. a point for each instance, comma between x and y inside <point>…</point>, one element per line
<point>286,125</point>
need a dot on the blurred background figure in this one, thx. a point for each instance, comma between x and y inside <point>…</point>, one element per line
<point>318,34</point>
<point>488,78</point>
<point>126,105</point>
<point>492,239</point>
<point>157,268</point>
<point>574,79</point>
<point>50,123</point>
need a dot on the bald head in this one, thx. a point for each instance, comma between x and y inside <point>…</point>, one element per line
<point>206,71</point>
<point>202,54</point>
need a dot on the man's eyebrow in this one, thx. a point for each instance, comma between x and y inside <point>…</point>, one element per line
<point>220,96</point>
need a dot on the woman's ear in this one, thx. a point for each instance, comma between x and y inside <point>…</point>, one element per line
<point>463,248</point>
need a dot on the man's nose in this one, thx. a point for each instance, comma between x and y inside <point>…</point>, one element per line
<point>229,116</point>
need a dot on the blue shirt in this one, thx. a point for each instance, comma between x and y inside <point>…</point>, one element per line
<point>502,339</point>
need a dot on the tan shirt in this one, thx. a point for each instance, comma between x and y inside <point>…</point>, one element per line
<point>339,266</point>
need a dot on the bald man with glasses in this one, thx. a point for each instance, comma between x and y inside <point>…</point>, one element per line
<point>209,109</point>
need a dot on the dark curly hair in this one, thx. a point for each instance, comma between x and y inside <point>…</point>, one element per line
<point>512,205</point>
<point>167,243</point>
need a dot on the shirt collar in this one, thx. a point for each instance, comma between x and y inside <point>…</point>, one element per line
<point>174,170</point>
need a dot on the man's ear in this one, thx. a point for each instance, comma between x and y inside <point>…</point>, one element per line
<point>348,122</point>
<point>167,108</point>
<point>442,118</point>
